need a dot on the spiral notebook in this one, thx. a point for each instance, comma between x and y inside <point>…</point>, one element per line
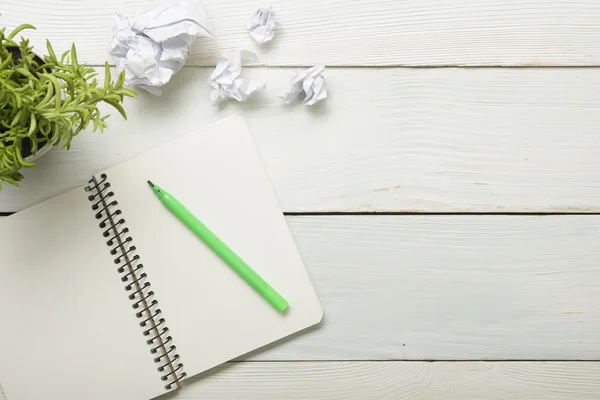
<point>84,318</point>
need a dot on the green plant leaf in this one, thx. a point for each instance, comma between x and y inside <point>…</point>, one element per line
<point>118,107</point>
<point>16,118</point>
<point>63,58</point>
<point>74,56</point>
<point>19,29</point>
<point>22,160</point>
<point>106,76</point>
<point>127,92</point>
<point>121,80</point>
<point>50,101</point>
<point>32,125</point>
<point>50,50</point>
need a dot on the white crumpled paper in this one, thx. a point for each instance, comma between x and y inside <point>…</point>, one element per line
<point>152,45</point>
<point>225,82</point>
<point>311,81</point>
<point>262,24</point>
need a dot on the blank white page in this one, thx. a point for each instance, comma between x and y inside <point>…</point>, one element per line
<point>68,329</point>
<point>212,314</point>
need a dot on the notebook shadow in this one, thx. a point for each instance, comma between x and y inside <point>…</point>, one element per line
<point>249,357</point>
<point>212,373</point>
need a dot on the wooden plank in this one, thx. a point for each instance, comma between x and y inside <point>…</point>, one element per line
<point>394,139</point>
<point>450,288</point>
<point>395,380</point>
<point>338,32</point>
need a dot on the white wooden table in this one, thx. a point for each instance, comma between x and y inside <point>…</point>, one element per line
<point>447,207</point>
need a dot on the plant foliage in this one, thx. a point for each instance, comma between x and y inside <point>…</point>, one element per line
<point>47,102</point>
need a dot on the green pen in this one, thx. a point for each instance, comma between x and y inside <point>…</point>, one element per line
<point>221,249</point>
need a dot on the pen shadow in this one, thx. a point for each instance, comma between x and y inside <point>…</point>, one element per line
<point>212,374</point>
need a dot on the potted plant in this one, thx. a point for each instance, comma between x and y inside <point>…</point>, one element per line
<point>45,102</point>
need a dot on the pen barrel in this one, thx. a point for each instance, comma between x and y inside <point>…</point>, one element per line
<point>225,253</point>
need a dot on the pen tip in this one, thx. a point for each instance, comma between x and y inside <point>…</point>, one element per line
<point>151,184</point>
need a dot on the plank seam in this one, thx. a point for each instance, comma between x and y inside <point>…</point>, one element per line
<point>393,66</point>
<point>423,213</point>
<point>416,360</point>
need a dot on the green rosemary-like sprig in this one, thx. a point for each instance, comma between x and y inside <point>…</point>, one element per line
<point>47,102</point>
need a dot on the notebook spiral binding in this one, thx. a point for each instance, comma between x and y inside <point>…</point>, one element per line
<point>136,280</point>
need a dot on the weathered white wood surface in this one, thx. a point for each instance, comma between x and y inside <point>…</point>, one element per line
<point>394,380</point>
<point>450,288</point>
<point>397,139</point>
<point>397,380</point>
<point>342,32</point>
<point>394,139</point>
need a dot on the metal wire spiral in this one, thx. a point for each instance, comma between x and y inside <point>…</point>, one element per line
<point>136,281</point>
